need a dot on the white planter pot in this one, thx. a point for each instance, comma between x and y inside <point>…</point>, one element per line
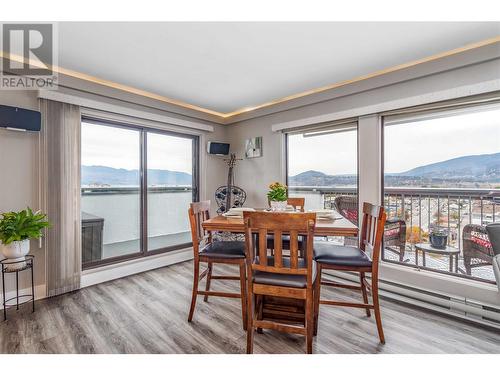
<point>278,206</point>
<point>16,252</point>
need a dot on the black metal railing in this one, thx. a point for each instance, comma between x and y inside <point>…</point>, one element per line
<point>424,209</point>
<point>104,190</point>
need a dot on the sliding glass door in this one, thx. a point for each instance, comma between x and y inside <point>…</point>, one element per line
<point>136,186</point>
<point>170,189</point>
<point>111,192</point>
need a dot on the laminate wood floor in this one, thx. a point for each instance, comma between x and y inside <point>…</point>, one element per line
<point>147,313</point>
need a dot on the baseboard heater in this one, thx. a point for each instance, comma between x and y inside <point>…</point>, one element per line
<point>457,307</point>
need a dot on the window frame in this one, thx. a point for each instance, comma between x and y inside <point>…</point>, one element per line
<point>143,208</point>
<point>315,127</point>
<point>436,109</point>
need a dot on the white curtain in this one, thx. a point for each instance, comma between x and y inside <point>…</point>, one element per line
<point>60,164</point>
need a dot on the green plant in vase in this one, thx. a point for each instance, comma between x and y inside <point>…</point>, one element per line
<point>16,231</point>
<point>277,196</point>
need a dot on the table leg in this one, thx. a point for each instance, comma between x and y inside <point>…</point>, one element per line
<point>416,257</point>
<point>17,290</point>
<point>456,263</point>
<point>451,262</point>
<point>423,258</point>
<point>3,291</point>
<point>32,287</point>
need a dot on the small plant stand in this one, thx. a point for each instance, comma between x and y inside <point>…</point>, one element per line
<point>19,299</point>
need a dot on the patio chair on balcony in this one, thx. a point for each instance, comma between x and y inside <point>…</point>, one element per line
<point>478,251</point>
<point>394,229</point>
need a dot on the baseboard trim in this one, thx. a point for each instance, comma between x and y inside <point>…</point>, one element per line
<point>452,307</point>
<point>116,271</point>
<point>40,293</point>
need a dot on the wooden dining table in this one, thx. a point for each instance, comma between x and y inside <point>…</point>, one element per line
<point>279,308</point>
<point>324,227</point>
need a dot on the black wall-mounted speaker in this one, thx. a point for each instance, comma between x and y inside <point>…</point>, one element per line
<point>20,119</point>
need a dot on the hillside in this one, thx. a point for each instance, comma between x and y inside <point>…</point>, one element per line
<point>463,171</point>
<point>473,166</point>
<point>99,175</point>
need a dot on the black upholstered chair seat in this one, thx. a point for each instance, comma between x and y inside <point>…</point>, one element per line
<point>336,255</point>
<point>224,249</point>
<point>285,241</point>
<point>279,279</point>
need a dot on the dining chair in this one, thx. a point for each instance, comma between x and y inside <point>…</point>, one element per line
<point>212,252</point>
<point>279,276</point>
<point>298,204</point>
<point>363,259</point>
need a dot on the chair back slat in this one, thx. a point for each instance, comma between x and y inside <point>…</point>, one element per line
<point>297,203</point>
<point>294,249</point>
<point>372,230</point>
<point>199,212</point>
<point>293,224</point>
<point>263,246</point>
<point>278,249</point>
<point>283,270</point>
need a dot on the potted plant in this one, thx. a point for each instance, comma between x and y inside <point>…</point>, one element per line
<point>277,196</point>
<point>438,238</point>
<point>16,230</point>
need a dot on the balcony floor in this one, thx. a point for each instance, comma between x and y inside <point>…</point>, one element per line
<point>441,263</point>
<point>129,247</point>
<point>147,313</point>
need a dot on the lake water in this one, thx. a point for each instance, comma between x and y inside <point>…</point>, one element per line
<point>168,222</point>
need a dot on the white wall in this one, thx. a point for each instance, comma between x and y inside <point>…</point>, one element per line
<point>19,174</point>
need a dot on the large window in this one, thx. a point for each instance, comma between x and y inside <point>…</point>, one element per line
<point>136,185</point>
<point>322,166</point>
<point>442,180</point>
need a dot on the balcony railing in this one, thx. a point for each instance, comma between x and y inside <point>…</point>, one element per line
<point>115,213</point>
<point>423,209</point>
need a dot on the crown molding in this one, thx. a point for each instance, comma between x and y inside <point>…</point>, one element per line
<point>231,117</point>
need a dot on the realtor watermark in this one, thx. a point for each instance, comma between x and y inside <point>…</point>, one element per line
<point>29,53</point>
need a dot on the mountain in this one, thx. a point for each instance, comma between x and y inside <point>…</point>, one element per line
<point>99,175</point>
<point>474,166</point>
<point>465,171</point>
<point>316,178</point>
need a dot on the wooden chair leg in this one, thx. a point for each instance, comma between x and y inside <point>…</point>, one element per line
<point>209,279</point>
<point>196,273</point>
<point>309,320</point>
<point>259,306</point>
<point>243,291</point>
<point>376,308</point>
<point>317,296</point>
<point>250,316</point>
<point>363,290</point>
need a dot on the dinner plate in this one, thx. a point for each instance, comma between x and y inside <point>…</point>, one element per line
<point>327,214</point>
<point>237,211</point>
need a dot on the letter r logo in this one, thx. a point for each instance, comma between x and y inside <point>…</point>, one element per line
<point>30,47</point>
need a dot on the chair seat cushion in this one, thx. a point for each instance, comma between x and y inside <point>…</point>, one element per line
<point>285,241</point>
<point>279,279</point>
<point>224,249</point>
<point>327,253</point>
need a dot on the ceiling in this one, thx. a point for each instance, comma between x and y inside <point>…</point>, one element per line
<point>226,67</point>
